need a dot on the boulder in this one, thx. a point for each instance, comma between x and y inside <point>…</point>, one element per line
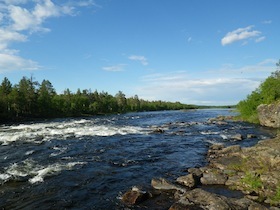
<point>256,206</point>
<point>251,136</point>
<point>237,137</point>
<point>213,176</point>
<point>216,147</point>
<point>135,196</point>
<point>189,180</point>
<point>201,199</point>
<point>162,184</point>
<point>205,200</point>
<point>269,115</point>
<point>180,206</point>
<point>196,172</point>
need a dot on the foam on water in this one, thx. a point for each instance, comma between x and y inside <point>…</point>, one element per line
<point>52,169</point>
<point>33,171</point>
<point>39,132</point>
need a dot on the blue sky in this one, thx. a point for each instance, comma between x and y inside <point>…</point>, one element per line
<point>193,51</point>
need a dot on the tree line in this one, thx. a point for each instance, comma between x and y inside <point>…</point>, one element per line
<point>267,93</point>
<point>30,99</point>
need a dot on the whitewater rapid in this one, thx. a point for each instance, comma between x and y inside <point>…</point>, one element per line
<point>77,129</point>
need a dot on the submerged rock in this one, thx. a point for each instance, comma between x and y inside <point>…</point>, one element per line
<point>158,130</point>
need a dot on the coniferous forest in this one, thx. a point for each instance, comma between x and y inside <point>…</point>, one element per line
<point>30,99</point>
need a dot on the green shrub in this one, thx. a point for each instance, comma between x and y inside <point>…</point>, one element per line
<point>266,93</point>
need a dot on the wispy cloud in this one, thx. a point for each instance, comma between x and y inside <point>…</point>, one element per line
<point>211,91</point>
<point>240,34</point>
<point>267,22</point>
<point>20,18</point>
<point>261,69</point>
<point>13,62</point>
<point>142,59</point>
<point>260,39</point>
<point>115,68</point>
<point>224,86</point>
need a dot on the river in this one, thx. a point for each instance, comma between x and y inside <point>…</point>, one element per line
<point>87,163</point>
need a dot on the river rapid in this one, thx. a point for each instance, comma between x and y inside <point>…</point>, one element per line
<point>87,163</point>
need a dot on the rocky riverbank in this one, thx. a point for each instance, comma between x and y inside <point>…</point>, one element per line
<point>254,171</point>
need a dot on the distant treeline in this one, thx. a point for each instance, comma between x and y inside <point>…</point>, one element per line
<point>30,99</point>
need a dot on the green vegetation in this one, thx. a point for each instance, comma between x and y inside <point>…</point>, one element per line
<point>252,181</point>
<point>274,200</point>
<point>30,99</point>
<point>266,93</point>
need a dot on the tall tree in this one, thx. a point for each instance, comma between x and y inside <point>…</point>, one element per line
<point>121,101</point>
<point>5,90</point>
<point>26,97</point>
<point>46,93</point>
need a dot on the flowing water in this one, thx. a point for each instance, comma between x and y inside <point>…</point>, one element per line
<point>87,163</point>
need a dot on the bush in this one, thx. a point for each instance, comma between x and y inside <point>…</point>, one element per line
<point>266,93</point>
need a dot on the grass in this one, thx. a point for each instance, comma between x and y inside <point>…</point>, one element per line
<point>275,200</point>
<point>252,181</point>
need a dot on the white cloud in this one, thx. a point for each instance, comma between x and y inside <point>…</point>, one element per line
<point>32,19</point>
<point>261,69</point>
<point>224,86</point>
<point>140,58</point>
<point>240,34</point>
<point>115,68</point>
<point>9,2</point>
<point>260,39</point>
<point>210,91</point>
<point>9,36</point>
<point>20,18</point>
<point>14,62</point>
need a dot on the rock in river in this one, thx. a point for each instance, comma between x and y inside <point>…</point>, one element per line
<point>135,196</point>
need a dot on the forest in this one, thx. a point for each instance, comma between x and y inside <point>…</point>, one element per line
<point>30,99</point>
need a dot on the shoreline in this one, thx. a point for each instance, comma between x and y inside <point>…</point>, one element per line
<point>251,172</point>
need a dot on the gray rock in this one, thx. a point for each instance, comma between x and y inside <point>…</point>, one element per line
<point>135,196</point>
<point>180,206</point>
<point>269,115</point>
<point>231,149</point>
<point>195,171</point>
<point>251,136</point>
<point>256,206</point>
<point>189,180</point>
<point>205,200</point>
<point>162,184</point>
<point>216,147</point>
<point>211,177</point>
<point>237,137</point>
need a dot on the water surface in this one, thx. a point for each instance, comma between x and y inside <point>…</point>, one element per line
<point>88,163</point>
